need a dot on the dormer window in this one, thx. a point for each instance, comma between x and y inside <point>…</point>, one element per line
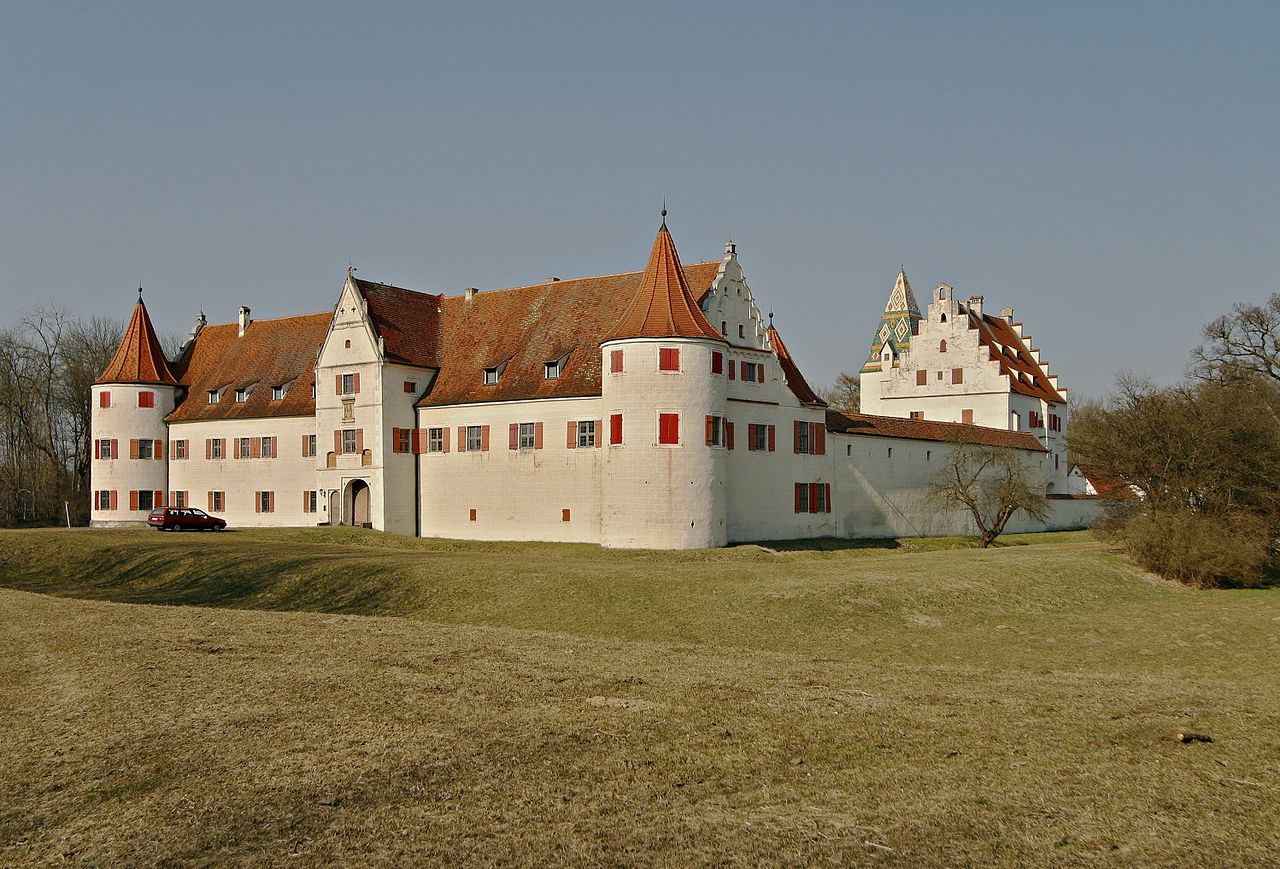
<point>241,395</point>
<point>552,370</point>
<point>492,374</point>
<point>215,395</point>
<point>279,392</point>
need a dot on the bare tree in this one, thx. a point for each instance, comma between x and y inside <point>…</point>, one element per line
<point>992,483</point>
<point>845,395</point>
<point>1246,340</point>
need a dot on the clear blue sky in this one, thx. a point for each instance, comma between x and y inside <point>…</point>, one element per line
<point>1108,169</point>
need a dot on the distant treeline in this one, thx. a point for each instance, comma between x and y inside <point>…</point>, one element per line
<point>48,361</point>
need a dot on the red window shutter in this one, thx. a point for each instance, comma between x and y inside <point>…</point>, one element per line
<point>462,439</point>
<point>669,358</point>
<point>751,437</point>
<point>115,448</point>
<point>444,436</point>
<point>710,426</point>
<point>717,362</point>
<point>355,386</point>
<point>957,375</point>
<point>271,502</point>
<point>133,451</point>
<point>615,428</point>
<point>157,450</point>
<point>255,448</point>
<point>133,499</point>
<point>813,497</point>
<point>408,386</point>
<point>599,433</point>
<point>537,435</point>
<point>305,443</point>
<point>395,439</point>
<point>733,370</point>
<point>337,384</point>
<point>828,493</point>
<point>799,496</point>
<point>306,502</point>
<point>966,416</point>
<point>513,436</point>
<point>772,429</point>
<point>173,497</point>
<point>564,515</point>
<point>819,437</point>
<point>157,498</point>
<point>668,428</point>
<point>257,502</point>
<point>112,501</point>
<point>728,434</point>
<point>210,494</point>
<point>760,373</point>
<point>359,440</point>
<point>615,361</point>
<point>795,436</point>
<point>571,438</point>
<point>484,438</point>
<point>922,378</point>
<point>104,398</point>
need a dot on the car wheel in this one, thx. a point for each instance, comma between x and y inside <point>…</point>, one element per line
<point>222,527</point>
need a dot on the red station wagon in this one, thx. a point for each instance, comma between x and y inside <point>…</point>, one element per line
<point>178,518</point>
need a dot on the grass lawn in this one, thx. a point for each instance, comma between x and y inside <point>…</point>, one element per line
<point>337,695</point>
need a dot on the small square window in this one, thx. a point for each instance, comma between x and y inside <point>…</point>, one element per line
<point>146,500</point>
<point>669,359</point>
<point>490,376</point>
<point>146,449</point>
<point>241,395</point>
<point>435,440</point>
<point>669,428</point>
<point>146,399</point>
<point>410,386</point>
<point>278,392</point>
<point>587,433</point>
<point>215,395</point>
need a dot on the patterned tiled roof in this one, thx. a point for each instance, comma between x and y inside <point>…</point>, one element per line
<point>526,327</point>
<point>407,321</point>
<point>897,323</point>
<point>663,307</point>
<point>929,430</point>
<point>271,353</point>
<point>139,358</point>
<point>1026,376</point>
<point>795,380</point>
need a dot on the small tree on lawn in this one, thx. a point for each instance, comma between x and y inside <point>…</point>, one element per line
<point>992,483</point>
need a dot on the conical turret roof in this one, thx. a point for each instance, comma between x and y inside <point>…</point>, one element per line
<point>139,358</point>
<point>664,307</point>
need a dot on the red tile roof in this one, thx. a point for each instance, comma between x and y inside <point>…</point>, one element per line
<point>139,358</point>
<point>407,321</point>
<point>271,353</point>
<point>795,380</point>
<point>1025,374</point>
<point>526,327</point>
<point>929,430</point>
<point>663,306</point>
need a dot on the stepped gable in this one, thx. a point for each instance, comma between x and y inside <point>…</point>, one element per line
<point>795,380</point>
<point>407,321</point>
<point>1026,376</point>
<point>897,324</point>
<point>526,327</point>
<point>271,353</point>
<point>139,358</point>
<point>930,430</point>
<point>663,307</point>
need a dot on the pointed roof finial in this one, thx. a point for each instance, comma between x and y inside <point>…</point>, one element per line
<point>771,316</point>
<point>664,212</point>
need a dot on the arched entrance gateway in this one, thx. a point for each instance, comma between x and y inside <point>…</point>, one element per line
<point>356,504</point>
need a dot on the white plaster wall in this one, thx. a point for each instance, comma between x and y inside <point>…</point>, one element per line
<point>123,421</point>
<point>517,494</point>
<point>656,496</point>
<point>288,475</point>
<point>731,307</point>
<point>882,494</point>
<point>399,484</point>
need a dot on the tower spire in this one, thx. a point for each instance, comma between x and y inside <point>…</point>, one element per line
<point>139,358</point>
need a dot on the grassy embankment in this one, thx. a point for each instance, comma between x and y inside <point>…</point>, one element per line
<point>910,704</point>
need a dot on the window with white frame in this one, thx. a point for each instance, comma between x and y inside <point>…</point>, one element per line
<point>104,449</point>
<point>311,446</point>
<point>802,438</point>
<point>528,435</point>
<point>403,440</point>
<point>218,500</point>
<point>802,498</point>
<point>475,438</point>
<point>749,373</point>
<point>180,449</point>
<point>266,448</point>
<point>104,499</point>
<point>759,435</point>
<point>587,433</point>
<point>242,448</point>
<point>179,499</point>
<point>215,448</point>
<point>145,449</point>
<point>551,370</point>
<point>715,431</point>
<point>242,394</point>
<point>215,395</point>
<point>348,441</point>
<point>278,392</point>
<point>348,384</point>
<point>264,502</point>
<point>311,501</point>
<point>435,440</point>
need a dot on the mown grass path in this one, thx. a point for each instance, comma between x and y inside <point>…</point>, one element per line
<point>922,703</point>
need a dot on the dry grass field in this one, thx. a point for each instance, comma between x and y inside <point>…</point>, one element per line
<point>322,696</point>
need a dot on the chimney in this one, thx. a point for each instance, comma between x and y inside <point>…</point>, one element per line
<point>470,294</point>
<point>553,279</point>
<point>1007,314</point>
<point>245,320</point>
<point>975,305</point>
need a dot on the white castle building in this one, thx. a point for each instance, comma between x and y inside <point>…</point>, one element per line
<point>653,409</point>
